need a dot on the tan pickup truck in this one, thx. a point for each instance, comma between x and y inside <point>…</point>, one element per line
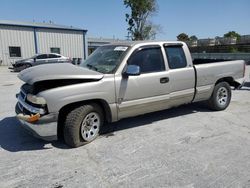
<point>119,81</point>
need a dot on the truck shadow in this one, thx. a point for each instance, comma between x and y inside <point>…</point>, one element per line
<point>14,138</point>
<point>245,87</point>
<point>109,129</point>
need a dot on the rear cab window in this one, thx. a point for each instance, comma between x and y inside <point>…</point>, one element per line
<point>175,56</point>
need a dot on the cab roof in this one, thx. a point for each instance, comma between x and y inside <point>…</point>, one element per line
<point>146,42</point>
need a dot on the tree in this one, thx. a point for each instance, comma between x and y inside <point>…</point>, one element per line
<point>232,34</point>
<point>139,27</point>
<point>233,49</point>
<point>183,37</point>
<point>193,38</point>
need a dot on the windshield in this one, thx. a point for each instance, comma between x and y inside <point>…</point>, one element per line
<point>105,59</point>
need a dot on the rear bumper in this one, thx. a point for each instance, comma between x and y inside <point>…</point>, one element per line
<point>45,128</point>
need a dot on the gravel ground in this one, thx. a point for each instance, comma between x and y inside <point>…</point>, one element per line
<point>188,146</point>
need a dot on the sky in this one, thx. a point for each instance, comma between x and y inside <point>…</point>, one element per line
<point>106,18</point>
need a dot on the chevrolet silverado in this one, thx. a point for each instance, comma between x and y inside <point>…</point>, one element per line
<point>119,81</point>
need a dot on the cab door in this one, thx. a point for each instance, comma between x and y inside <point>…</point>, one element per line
<point>181,74</point>
<point>148,91</point>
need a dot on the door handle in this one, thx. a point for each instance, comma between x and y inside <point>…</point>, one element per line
<point>164,80</point>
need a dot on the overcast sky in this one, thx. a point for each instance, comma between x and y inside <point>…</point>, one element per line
<point>106,18</point>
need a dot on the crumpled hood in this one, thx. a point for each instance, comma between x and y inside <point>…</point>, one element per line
<point>57,72</point>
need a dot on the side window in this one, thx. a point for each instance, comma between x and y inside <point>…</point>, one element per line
<point>176,57</point>
<point>148,59</point>
<point>53,56</point>
<point>43,56</point>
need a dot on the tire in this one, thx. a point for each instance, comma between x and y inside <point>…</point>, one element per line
<point>221,97</point>
<point>82,125</point>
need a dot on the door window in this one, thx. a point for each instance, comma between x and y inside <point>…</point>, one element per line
<point>43,56</point>
<point>148,59</point>
<point>53,56</point>
<point>176,57</point>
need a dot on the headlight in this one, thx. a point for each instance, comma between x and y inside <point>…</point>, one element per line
<point>36,100</point>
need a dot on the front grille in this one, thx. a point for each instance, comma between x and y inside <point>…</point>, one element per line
<point>26,88</point>
<point>27,107</point>
<point>23,95</point>
<point>24,110</point>
<point>20,106</point>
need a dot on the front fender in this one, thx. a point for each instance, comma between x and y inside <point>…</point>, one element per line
<point>59,97</point>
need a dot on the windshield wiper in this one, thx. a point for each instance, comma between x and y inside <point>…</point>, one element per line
<point>91,67</point>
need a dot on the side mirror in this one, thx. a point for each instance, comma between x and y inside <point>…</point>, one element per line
<point>132,70</point>
<point>34,59</point>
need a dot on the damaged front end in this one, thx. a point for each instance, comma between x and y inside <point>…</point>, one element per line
<point>28,118</point>
<point>33,114</point>
<point>29,104</point>
<point>32,109</point>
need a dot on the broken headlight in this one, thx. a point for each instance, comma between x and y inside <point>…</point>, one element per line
<point>36,100</point>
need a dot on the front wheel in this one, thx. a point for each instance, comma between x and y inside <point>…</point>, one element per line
<point>82,125</point>
<point>221,97</point>
<point>27,66</point>
<point>24,66</point>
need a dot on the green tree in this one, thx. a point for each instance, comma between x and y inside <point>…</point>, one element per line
<point>139,27</point>
<point>193,38</point>
<point>233,49</point>
<point>231,34</point>
<point>183,37</point>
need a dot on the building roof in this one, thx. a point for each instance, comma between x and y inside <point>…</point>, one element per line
<point>39,25</point>
<point>96,42</point>
<point>104,40</point>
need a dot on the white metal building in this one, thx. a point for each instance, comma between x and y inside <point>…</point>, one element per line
<point>20,40</point>
<point>94,43</point>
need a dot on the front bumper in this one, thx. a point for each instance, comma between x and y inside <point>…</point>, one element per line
<point>45,128</point>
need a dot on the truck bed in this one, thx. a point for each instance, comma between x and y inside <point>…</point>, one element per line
<point>204,61</point>
<point>207,74</point>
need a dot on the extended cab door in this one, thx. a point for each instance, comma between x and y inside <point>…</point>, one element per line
<point>181,74</point>
<point>148,91</point>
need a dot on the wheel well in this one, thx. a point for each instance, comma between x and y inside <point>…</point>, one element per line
<point>69,107</point>
<point>229,80</point>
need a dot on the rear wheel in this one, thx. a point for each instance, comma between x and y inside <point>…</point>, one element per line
<point>82,125</point>
<point>221,96</point>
